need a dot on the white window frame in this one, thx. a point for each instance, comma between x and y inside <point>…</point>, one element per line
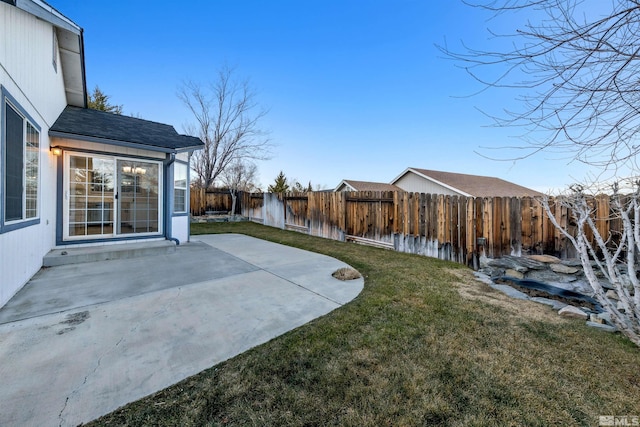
<point>116,207</point>
<point>176,187</point>
<point>29,216</point>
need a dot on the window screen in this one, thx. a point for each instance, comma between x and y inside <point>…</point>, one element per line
<point>14,164</point>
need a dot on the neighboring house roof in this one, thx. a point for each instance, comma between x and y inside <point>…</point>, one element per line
<point>351,185</point>
<point>472,185</point>
<point>107,128</point>
<point>71,46</point>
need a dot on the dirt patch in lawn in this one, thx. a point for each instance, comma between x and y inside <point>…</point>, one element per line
<point>471,288</point>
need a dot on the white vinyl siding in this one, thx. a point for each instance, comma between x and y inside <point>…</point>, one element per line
<point>413,183</point>
<point>30,85</point>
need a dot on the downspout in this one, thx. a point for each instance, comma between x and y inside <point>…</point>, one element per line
<point>84,72</point>
<point>169,160</point>
<point>188,201</point>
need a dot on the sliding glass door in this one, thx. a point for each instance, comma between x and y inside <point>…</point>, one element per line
<point>138,197</point>
<point>90,197</point>
<point>110,197</point>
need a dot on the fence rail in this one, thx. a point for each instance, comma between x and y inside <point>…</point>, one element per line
<point>454,228</point>
<point>203,201</point>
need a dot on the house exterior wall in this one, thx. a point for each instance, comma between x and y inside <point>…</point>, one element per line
<point>179,221</point>
<point>106,148</point>
<point>26,55</point>
<point>344,187</point>
<point>180,224</point>
<point>28,76</point>
<point>180,228</point>
<point>414,183</point>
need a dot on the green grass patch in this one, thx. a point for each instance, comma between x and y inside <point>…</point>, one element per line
<point>423,344</point>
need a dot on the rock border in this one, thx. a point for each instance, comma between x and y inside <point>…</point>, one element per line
<point>551,271</point>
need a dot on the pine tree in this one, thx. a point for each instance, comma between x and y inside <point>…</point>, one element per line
<point>99,101</point>
<point>280,185</point>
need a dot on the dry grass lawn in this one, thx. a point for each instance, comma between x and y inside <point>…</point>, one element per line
<point>423,344</point>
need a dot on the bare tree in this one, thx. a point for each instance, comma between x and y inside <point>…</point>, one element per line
<point>227,120</point>
<point>575,65</point>
<point>239,176</point>
<point>613,256</point>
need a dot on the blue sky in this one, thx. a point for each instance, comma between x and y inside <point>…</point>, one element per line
<point>356,89</point>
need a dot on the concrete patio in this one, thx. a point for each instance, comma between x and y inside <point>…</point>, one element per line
<point>80,340</point>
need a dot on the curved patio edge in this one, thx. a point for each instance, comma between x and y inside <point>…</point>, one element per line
<point>96,357</point>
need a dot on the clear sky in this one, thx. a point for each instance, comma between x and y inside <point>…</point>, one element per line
<point>356,89</point>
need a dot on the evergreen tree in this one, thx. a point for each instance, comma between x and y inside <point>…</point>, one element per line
<point>280,185</point>
<point>100,101</point>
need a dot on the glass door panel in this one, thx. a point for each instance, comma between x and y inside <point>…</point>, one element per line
<point>90,196</point>
<point>138,197</point>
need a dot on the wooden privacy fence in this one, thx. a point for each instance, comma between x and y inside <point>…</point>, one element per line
<point>203,201</point>
<point>454,228</point>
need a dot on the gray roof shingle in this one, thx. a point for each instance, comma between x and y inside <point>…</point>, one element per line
<point>109,128</point>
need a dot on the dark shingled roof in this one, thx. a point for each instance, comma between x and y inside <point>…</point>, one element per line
<point>109,128</point>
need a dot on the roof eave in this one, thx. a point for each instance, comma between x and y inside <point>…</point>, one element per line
<point>346,184</point>
<point>70,45</point>
<point>73,69</point>
<point>449,187</point>
<point>47,13</point>
<point>127,144</point>
<point>189,149</point>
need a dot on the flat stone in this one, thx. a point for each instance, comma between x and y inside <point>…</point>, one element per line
<point>557,305</point>
<point>572,262</point>
<point>511,292</point>
<point>593,317</point>
<point>493,272</point>
<point>514,273</point>
<point>517,263</point>
<point>548,276</point>
<point>547,259</point>
<point>602,327</point>
<point>611,294</point>
<point>564,269</point>
<point>484,261</point>
<point>583,287</point>
<point>604,316</point>
<point>484,278</point>
<point>573,312</point>
<point>606,284</point>
<point>569,286</point>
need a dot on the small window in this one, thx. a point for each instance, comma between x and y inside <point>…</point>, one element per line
<point>180,187</point>
<point>21,167</point>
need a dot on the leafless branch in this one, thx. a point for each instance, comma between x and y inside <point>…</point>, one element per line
<point>575,65</point>
<point>227,120</point>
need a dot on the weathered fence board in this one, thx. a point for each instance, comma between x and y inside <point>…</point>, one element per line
<point>455,228</point>
<point>202,201</point>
